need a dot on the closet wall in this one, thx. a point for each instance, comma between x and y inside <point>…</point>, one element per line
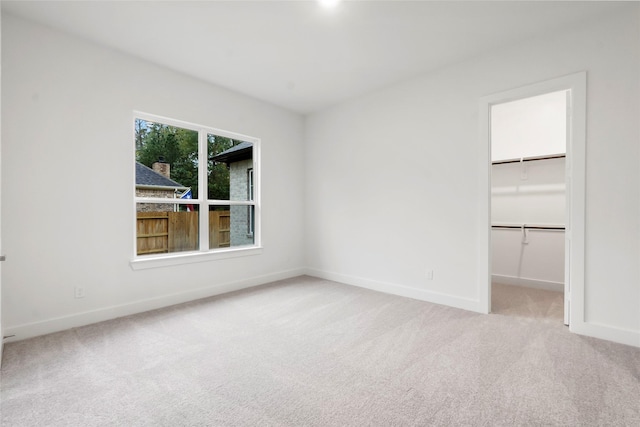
<point>529,192</point>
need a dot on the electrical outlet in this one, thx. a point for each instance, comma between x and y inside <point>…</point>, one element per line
<point>430,274</point>
<point>79,292</point>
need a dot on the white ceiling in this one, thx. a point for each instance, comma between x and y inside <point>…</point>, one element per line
<point>295,53</point>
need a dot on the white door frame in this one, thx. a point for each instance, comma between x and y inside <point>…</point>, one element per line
<point>576,85</point>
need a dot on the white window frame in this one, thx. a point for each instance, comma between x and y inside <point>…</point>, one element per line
<point>250,214</point>
<point>204,253</point>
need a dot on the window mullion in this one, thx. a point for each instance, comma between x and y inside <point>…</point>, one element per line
<point>203,191</point>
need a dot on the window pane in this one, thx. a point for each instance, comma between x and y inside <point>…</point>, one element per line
<point>166,228</point>
<point>166,161</point>
<point>230,226</point>
<point>229,164</point>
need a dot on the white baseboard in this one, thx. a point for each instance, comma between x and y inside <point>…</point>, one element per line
<point>401,290</point>
<point>29,330</point>
<point>528,283</point>
<point>606,332</point>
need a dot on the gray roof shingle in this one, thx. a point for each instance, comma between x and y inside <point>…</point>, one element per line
<point>242,151</point>
<point>147,176</point>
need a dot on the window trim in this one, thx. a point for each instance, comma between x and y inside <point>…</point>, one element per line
<point>204,253</point>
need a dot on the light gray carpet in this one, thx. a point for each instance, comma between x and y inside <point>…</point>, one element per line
<point>311,352</point>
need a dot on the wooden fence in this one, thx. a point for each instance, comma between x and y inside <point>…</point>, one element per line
<point>166,232</point>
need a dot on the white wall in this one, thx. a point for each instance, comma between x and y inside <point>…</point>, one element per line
<point>533,126</point>
<point>536,260</point>
<point>392,177</point>
<point>538,199</point>
<point>68,182</point>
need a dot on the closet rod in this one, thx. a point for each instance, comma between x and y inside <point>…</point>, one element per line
<point>530,227</point>
<point>529,159</point>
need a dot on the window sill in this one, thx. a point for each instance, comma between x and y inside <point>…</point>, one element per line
<point>167,260</point>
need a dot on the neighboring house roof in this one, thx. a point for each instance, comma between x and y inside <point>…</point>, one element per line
<point>242,151</point>
<point>146,176</point>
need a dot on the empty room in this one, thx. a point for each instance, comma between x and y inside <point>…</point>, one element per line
<point>320,213</point>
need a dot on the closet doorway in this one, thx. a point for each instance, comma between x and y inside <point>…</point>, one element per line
<point>525,206</point>
<point>528,205</point>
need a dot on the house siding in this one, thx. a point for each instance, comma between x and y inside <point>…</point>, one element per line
<point>155,207</point>
<point>238,190</point>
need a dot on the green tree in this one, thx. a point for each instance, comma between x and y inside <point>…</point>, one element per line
<point>173,145</point>
<point>179,148</point>
<point>141,133</point>
<point>218,173</point>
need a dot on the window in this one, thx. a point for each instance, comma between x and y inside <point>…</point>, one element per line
<point>196,189</point>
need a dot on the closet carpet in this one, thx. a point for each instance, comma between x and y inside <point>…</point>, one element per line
<point>310,352</point>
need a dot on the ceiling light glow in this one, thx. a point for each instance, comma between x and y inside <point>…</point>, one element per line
<point>329,4</point>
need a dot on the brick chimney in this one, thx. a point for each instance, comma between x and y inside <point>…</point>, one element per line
<point>162,167</point>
